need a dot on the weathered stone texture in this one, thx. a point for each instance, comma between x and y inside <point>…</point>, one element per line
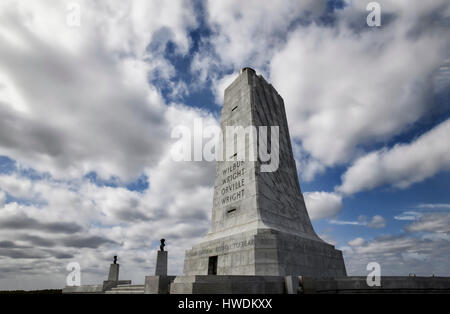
<point>259,223</point>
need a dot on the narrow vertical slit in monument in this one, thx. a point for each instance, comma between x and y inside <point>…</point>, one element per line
<point>212,265</point>
<point>234,108</point>
<point>231,210</point>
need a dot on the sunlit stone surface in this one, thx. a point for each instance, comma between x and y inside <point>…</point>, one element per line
<point>259,223</point>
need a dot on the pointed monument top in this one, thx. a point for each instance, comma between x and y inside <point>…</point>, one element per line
<point>247,68</point>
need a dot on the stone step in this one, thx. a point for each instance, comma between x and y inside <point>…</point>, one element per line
<point>127,289</point>
<point>125,292</point>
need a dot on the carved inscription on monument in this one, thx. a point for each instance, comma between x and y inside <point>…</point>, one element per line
<point>222,248</point>
<point>233,183</point>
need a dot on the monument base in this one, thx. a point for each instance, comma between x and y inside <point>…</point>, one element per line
<point>388,285</point>
<point>307,285</point>
<point>95,289</point>
<point>158,284</point>
<point>161,264</point>
<point>109,284</point>
<point>228,285</point>
<point>265,252</point>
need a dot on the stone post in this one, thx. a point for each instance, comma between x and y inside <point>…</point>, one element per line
<point>113,272</point>
<point>161,264</point>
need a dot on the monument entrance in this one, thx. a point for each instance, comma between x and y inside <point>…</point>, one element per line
<point>212,266</point>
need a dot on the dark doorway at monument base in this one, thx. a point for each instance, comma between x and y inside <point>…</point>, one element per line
<point>262,241</point>
<point>212,265</point>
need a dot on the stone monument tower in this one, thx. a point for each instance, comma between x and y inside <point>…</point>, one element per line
<point>259,223</point>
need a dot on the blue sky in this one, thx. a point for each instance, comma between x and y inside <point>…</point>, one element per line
<point>86,113</point>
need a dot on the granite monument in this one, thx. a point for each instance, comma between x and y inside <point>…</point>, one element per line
<point>259,222</point>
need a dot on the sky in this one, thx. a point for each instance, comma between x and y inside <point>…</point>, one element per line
<point>90,91</point>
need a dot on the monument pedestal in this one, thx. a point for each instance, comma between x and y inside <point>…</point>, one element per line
<point>113,278</point>
<point>161,264</point>
<point>113,272</point>
<point>265,252</point>
<point>211,284</point>
<point>158,284</point>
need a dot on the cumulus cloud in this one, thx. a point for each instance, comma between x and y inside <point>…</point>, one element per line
<point>345,87</point>
<point>2,198</point>
<point>329,239</point>
<point>92,223</point>
<point>434,206</point>
<point>248,33</point>
<point>23,222</point>
<point>433,222</point>
<point>219,85</point>
<point>377,222</point>
<point>111,219</point>
<point>423,249</point>
<point>345,222</point>
<point>75,100</point>
<point>356,242</point>
<point>322,204</point>
<point>402,165</point>
<point>121,222</point>
<point>408,215</point>
<point>399,255</point>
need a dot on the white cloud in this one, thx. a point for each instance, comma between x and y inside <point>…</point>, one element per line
<point>23,189</point>
<point>356,242</point>
<point>2,198</point>
<point>408,215</point>
<point>414,256</point>
<point>322,204</point>
<point>426,239</point>
<point>402,165</point>
<point>329,239</point>
<point>77,99</point>
<point>377,222</point>
<point>432,222</point>
<point>219,85</point>
<point>82,222</point>
<point>247,33</point>
<point>307,167</point>
<point>399,255</point>
<point>344,222</point>
<point>434,206</point>
<point>119,221</point>
<point>345,87</point>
